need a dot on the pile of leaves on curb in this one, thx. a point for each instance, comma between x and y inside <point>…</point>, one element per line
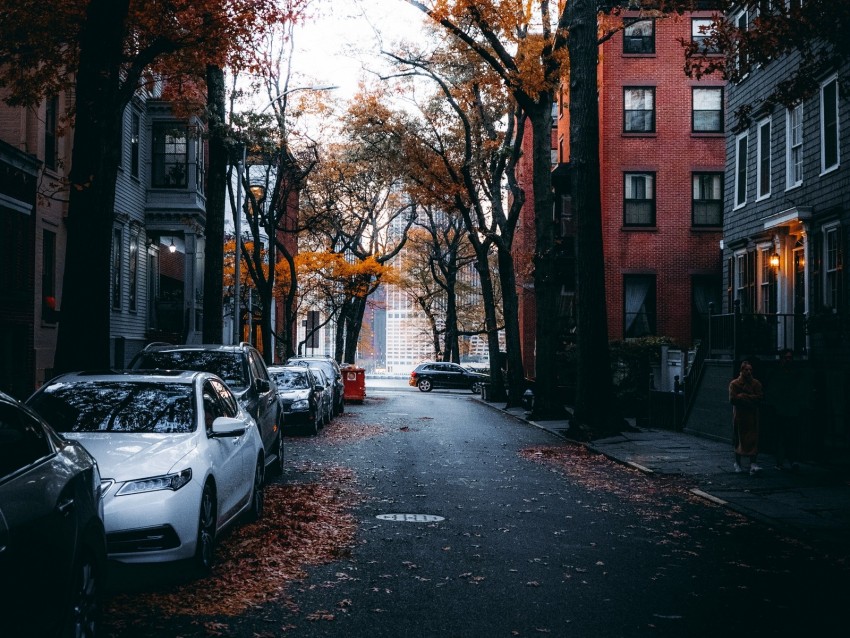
<point>343,430</point>
<point>303,525</point>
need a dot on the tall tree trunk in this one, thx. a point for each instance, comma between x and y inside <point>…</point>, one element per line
<point>352,333</point>
<point>83,339</point>
<point>451,350</point>
<point>595,408</point>
<point>548,402</point>
<point>482,265</point>
<point>513,342</point>
<point>341,326</point>
<point>216,195</point>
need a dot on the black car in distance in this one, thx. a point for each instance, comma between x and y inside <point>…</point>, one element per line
<point>52,538</point>
<point>300,395</point>
<point>442,374</point>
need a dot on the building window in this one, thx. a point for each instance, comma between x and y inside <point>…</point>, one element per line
<point>833,262</point>
<point>794,146</point>
<point>745,281</point>
<point>742,22</point>
<point>117,240</point>
<point>701,30</point>
<point>639,110</point>
<point>639,36</point>
<point>707,204</point>
<point>639,305</point>
<point>740,170</point>
<point>170,156</point>
<point>639,199</point>
<point>767,283</point>
<point>133,265</point>
<point>707,110</point>
<point>135,131</point>
<point>829,125</point>
<point>199,163</point>
<point>51,141</point>
<point>763,164</point>
<point>48,277</point>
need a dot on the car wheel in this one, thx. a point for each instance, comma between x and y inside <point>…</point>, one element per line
<point>314,425</point>
<point>276,468</point>
<point>85,604</point>
<point>341,409</point>
<point>425,385</point>
<point>476,387</point>
<point>205,547</point>
<point>258,494</point>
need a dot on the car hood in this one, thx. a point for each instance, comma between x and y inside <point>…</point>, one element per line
<point>124,457</point>
<point>294,395</point>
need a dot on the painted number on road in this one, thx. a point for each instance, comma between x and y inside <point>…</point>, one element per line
<point>410,518</point>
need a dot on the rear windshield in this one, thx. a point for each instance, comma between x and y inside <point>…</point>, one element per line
<point>227,365</point>
<point>115,406</point>
<point>291,380</point>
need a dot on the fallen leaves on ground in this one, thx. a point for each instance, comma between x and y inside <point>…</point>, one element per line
<point>342,430</point>
<point>303,524</point>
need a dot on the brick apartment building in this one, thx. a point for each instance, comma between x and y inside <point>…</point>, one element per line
<point>662,171</point>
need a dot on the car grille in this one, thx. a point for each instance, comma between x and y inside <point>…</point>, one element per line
<point>149,539</point>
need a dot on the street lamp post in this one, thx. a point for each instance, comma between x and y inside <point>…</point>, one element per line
<point>237,215</point>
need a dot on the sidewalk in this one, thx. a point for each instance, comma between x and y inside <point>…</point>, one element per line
<point>812,503</point>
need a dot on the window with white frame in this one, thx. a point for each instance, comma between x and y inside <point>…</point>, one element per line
<point>639,199</point>
<point>742,21</point>
<point>794,146</point>
<point>133,274</point>
<point>117,257</point>
<point>741,170</point>
<point>829,125</point>
<point>767,282</point>
<point>833,261</point>
<point>745,281</point>
<point>707,199</point>
<point>763,164</point>
<point>707,114</point>
<point>135,133</point>
<point>639,110</point>
<point>170,155</point>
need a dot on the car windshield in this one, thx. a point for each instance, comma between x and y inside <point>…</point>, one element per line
<point>117,406</point>
<point>291,380</point>
<point>227,365</point>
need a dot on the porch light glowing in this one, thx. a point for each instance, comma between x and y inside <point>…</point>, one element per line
<point>774,260</point>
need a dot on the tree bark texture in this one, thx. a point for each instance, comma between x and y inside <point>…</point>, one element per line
<point>513,341</point>
<point>548,402</point>
<point>216,195</point>
<point>84,327</point>
<point>595,406</point>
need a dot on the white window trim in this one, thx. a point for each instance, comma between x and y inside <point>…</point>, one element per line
<point>789,167</point>
<point>834,167</point>
<point>759,195</point>
<point>738,204</point>
<point>825,229</point>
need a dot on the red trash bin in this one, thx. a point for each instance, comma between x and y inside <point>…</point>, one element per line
<point>354,380</point>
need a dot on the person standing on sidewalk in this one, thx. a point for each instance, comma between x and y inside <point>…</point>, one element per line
<point>745,395</point>
<point>787,397</point>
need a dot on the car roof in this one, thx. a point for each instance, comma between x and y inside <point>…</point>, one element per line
<point>196,347</point>
<point>133,376</point>
<point>274,369</point>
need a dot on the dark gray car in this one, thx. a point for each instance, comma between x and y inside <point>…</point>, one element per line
<point>242,368</point>
<point>52,539</point>
<point>442,374</point>
<point>332,371</point>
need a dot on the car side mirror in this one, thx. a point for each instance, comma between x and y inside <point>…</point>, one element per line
<point>224,427</point>
<point>262,385</point>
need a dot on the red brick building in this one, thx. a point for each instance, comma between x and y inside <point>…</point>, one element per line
<point>662,160</point>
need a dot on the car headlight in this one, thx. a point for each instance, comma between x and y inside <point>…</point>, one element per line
<point>301,404</point>
<point>166,482</point>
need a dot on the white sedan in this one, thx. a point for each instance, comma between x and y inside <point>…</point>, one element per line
<point>179,458</point>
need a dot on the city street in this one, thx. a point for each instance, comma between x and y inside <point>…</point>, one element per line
<point>496,528</point>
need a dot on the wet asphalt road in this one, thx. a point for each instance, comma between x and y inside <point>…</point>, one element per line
<point>525,549</point>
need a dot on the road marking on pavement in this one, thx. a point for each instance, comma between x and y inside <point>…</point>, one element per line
<point>640,467</point>
<point>411,518</point>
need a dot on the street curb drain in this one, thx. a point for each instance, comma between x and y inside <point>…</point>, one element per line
<point>410,518</point>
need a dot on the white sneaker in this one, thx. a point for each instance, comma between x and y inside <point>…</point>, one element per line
<point>738,468</point>
<point>754,469</point>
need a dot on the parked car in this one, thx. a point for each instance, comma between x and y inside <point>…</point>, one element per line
<point>180,459</point>
<point>333,371</point>
<point>442,374</point>
<point>326,403</point>
<point>243,369</point>
<point>52,538</point>
<point>300,396</point>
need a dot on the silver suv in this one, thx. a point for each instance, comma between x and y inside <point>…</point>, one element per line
<point>242,368</point>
